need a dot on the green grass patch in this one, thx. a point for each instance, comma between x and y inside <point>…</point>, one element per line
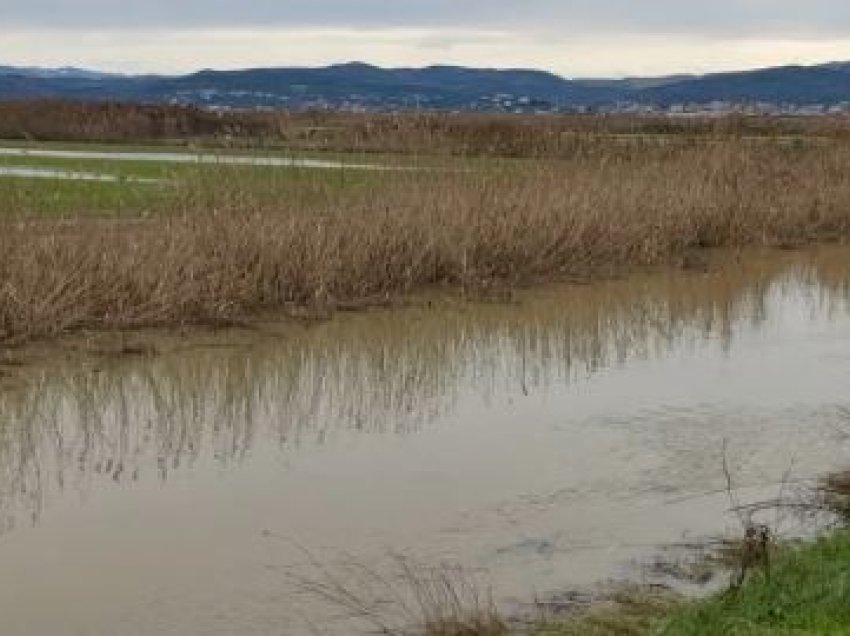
<point>210,187</point>
<point>56,198</point>
<point>215,184</point>
<point>805,593</point>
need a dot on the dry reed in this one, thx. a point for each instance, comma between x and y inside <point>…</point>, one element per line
<point>232,249</point>
<point>405,598</point>
<point>58,120</point>
<point>438,133</point>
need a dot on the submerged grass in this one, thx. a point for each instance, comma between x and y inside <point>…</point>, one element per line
<point>143,188</point>
<point>233,241</point>
<point>129,169</point>
<point>630,612</point>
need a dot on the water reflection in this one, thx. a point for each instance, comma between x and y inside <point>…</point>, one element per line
<point>374,373</point>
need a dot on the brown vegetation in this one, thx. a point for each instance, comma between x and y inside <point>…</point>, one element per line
<point>462,134</point>
<point>406,598</point>
<point>236,245</point>
<point>535,136</point>
<point>56,120</point>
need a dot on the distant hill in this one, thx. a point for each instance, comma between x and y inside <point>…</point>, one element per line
<point>439,86</point>
<point>826,84</point>
<point>445,87</point>
<point>65,72</point>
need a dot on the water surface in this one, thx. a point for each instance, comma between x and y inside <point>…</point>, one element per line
<point>548,443</point>
<point>28,172</point>
<point>190,158</point>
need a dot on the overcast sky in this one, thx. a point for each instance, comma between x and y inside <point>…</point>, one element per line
<point>570,37</point>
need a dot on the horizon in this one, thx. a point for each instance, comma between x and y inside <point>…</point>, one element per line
<point>436,64</point>
<point>571,38</point>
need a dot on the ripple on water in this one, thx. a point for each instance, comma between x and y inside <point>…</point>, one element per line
<point>550,443</point>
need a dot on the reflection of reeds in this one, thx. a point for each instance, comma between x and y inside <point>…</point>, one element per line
<point>385,371</point>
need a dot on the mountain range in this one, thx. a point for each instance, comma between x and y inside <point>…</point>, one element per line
<point>443,87</point>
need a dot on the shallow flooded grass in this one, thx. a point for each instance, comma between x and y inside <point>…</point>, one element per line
<point>71,187</point>
<point>126,169</point>
<point>631,611</point>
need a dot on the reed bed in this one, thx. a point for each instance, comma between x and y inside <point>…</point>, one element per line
<point>537,136</point>
<point>231,248</point>
<point>60,120</point>
<point>429,133</point>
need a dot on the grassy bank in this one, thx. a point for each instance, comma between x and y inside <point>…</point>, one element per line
<point>234,241</point>
<point>805,592</point>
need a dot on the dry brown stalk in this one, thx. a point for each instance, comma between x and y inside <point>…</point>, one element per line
<point>235,244</point>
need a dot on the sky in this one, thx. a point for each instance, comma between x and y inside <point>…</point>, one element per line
<point>574,38</point>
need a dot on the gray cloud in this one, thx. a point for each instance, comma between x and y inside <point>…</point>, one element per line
<point>719,18</point>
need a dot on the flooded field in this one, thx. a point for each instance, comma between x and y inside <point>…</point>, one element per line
<point>186,158</point>
<point>70,175</point>
<point>548,443</point>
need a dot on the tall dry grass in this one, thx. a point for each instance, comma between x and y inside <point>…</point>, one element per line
<point>60,120</point>
<point>534,136</point>
<point>432,133</point>
<point>404,598</point>
<point>231,249</point>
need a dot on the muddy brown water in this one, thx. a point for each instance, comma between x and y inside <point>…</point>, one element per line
<point>548,443</point>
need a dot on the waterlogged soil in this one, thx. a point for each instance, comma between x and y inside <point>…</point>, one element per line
<point>190,484</point>
<point>195,158</point>
<point>27,172</point>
